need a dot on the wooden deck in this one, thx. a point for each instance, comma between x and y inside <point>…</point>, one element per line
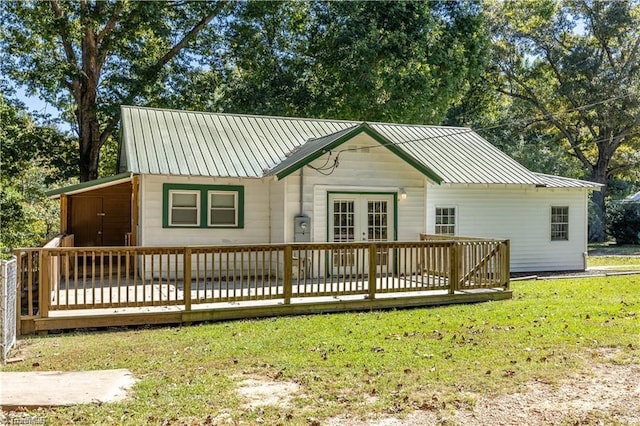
<point>99,287</point>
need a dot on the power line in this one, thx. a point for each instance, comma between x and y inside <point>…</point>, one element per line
<point>327,170</point>
<point>508,123</point>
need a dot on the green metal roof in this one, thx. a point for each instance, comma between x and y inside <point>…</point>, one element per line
<point>89,185</point>
<point>190,143</point>
<point>551,181</point>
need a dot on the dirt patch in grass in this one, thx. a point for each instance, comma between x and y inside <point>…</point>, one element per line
<point>261,391</point>
<point>608,393</point>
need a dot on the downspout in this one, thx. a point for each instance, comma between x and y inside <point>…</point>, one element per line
<point>585,254</point>
<point>301,190</point>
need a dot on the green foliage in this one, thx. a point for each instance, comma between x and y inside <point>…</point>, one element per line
<point>377,61</point>
<point>27,217</point>
<point>25,142</point>
<point>624,222</point>
<point>33,157</point>
<point>88,58</point>
<point>618,262</point>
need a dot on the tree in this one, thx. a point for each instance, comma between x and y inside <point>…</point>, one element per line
<point>33,157</point>
<point>89,57</point>
<point>395,61</point>
<point>384,61</point>
<point>624,222</point>
<point>575,63</point>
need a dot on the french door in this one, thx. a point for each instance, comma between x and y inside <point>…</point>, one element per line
<point>360,217</point>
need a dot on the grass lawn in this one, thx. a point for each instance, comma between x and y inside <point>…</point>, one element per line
<point>612,249</point>
<point>614,262</point>
<point>367,364</point>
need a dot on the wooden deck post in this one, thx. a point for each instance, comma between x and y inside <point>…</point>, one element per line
<point>506,266</point>
<point>64,214</point>
<point>45,284</point>
<point>288,274</point>
<point>186,278</point>
<point>134,211</point>
<point>373,266</point>
<point>454,267</point>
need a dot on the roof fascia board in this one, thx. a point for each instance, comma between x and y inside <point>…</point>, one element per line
<point>362,128</point>
<point>319,152</point>
<point>93,184</point>
<point>122,137</point>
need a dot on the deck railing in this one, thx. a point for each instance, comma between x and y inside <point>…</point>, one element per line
<point>482,262</point>
<point>57,278</point>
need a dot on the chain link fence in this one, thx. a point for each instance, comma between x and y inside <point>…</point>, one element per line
<point>8,293</point>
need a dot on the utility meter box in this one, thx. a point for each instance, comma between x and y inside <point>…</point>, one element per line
<point>301,229</point>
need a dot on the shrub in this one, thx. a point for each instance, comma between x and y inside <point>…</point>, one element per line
<point>624,223</point>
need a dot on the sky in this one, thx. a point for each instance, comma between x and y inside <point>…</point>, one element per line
<point>34,103</point>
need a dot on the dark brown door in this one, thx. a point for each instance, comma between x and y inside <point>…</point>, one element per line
<point>116,221</point>
<point>87,217</point>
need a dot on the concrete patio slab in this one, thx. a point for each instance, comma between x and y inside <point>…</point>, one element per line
<point>62,388</point>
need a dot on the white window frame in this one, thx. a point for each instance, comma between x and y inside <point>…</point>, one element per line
<point>455,220</point>
<point>552,223</point>
<point>197,207</point>
<point>235,209</point>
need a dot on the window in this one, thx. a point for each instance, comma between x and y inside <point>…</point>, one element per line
<point>202,206</point>
<point>559,223</point>
<point>445,220</point>
<point>223,208</point>
<point>184,208</point>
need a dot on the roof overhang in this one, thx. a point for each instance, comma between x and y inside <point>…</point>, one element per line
<point>315,148</point>
<point>551,181</point>
<point>90,185</point>
<point>634,198</point>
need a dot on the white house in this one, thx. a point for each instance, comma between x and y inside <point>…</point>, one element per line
<point>201,178</point>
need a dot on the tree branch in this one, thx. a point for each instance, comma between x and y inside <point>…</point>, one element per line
<point>632,56</point>
<point>596,33</point>
<point>574,104</point>
<point>191,34</point>
<point>531,98</point>
<point>108,130</point>
<point>111,23</point>
<point>154,69</point>
<point>63,31</point>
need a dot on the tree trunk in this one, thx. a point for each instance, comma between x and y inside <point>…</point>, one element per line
<point>89,144</point>
<point>88,125</point>
<point>597,221</point>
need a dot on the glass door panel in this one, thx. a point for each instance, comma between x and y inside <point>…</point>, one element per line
<point>360,217</point>
<point>343,231</point>
<point>378,228</point>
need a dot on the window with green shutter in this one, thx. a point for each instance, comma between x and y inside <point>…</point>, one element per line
<point>202,206</point>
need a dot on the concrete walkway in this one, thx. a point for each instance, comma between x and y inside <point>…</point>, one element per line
<point>57,388</point>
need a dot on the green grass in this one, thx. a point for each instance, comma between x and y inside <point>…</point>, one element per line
<point>614,262</point>
<point>612,249</point>
<point>367,364</point>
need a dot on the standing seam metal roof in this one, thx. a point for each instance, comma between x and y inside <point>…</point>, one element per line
<point>172,142</point>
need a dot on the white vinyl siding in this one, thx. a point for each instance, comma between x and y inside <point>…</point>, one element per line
<point>278,212</point>
<point>369,170</point>
<point>256,214</point>
<point>520,214</point>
